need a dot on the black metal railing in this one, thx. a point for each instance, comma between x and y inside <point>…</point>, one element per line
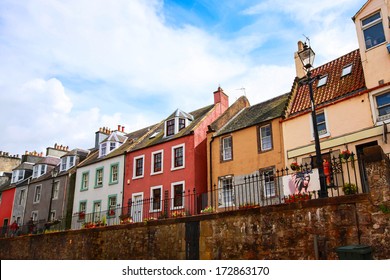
<point>272,187</point>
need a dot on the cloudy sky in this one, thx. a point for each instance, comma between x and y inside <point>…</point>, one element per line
<point>70,67</point>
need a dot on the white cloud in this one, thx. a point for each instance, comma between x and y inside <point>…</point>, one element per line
<point>70,67</point>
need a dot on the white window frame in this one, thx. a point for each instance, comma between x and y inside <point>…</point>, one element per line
<point>22,197</point>
<point>322,81</point>
<point>17,175</point>
<point>34,215</point>
<point>67,162</point>
<point>222,201</point>
<point>56,190</point>
<point>347,69</point>
<point>151,210</point>
<point>261,137</point>
<point>152,162</point>
<point>326,125</point>
<point>97,185</point>
<point>39,170</point>
<point>371,24</point>
<point>376,109</point>
<point>52,215</point>
<point>270,185</point>
<point>35,200</point>
<point>173,195</point>
<point>225,149</point>
<point>173,157</point>
<point>135,166</point>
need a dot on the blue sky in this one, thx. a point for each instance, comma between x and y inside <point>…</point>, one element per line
<point>70,67</point>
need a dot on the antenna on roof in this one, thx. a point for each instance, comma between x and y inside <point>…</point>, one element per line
<point>307,39</point>
<point>243,89</point>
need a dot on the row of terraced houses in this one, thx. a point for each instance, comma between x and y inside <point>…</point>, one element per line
<point>218,157</point>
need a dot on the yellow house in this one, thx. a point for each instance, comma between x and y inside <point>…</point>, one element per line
<point>372,23</point>
<point>244,144</point>
<point>352,97</point>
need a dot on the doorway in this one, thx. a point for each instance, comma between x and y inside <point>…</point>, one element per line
<point>361,163</point>
<point>137,206</point>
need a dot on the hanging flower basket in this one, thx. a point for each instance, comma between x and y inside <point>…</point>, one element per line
<point>295,166</point>
<point>345,154</point>
<point>82,216</point>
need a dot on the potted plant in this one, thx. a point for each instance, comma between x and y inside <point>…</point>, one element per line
<point>208,209</point>
<point>349,188</point>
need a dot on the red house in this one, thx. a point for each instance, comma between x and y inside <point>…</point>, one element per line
<point>7,194</point>
<point>167,169</point>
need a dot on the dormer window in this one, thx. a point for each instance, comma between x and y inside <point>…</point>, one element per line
<point>346,70</point>
<point>39,170</point>
<point>322,81</point>
<point>17,175</point>
<point>182,123</point>
<point>67,162</point>
<point>112,146</point>
<point>170,127</point>
<point>177,121</point>
<point>373,30</point>
<point>103,149</point>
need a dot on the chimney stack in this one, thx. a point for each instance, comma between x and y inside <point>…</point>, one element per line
<point>222,98</point>
<point>300,71</point>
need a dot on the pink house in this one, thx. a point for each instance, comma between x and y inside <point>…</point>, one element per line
<point>166,171</point>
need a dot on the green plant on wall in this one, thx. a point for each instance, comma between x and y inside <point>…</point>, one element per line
<point>349,188</point>
<point>385,209</point>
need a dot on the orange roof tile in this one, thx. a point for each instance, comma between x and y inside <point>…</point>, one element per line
<point>336,87</point>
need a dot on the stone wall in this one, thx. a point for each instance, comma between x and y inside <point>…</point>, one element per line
<point>306,230</point>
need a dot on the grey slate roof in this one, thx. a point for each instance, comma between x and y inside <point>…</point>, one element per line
<point>159,138</point>
<point>256,114</point>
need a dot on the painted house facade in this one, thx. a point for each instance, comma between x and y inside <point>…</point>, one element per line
<point>50,191</point>
<point>372,24</point>
<point>249,143</point>
<point>99,181</point>
<point>171,163</point>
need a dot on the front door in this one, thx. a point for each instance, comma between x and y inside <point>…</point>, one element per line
<point>136,207</point>
<point>96,211</point>
<point>362,167</point>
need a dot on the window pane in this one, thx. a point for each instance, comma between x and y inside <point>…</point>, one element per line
<point>321,118</point>
<point>178,195</point>
<point>156,199</point>
<point>374,35</point>
<point>157,162</point>
<point>139,167</point>
<point>383,99</point>
<point>266,138</point>
<point>178,157</point>
<point>170,127</point>
<point>371,19</point>
<point>227,192</point>
<point>227,148</point>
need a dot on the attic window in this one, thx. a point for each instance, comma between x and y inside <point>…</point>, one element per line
<point>346,70</point>
<point>154,134</point>
<point>322,81</point>
<point>373,30</point>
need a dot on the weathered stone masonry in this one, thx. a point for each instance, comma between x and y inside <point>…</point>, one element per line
<point>306,230</point>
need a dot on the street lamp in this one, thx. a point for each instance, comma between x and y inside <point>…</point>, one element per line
<point>307,55</point>
<point>54,173</point>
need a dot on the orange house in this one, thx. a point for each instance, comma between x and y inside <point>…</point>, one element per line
<point>249,142</point>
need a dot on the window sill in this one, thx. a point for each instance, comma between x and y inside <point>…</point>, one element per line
<point>177,168</point>
<point>155,211</point>
<point>113,183</point>
<point>139,177</point>
<point>177,208</point>
<point>98,187</point>
<point>83,190</point>
<point>156,173</point>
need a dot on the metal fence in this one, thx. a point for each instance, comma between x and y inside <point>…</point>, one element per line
<point>343,176</point>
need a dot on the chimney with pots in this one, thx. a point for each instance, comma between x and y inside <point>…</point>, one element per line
<point>101,135</point>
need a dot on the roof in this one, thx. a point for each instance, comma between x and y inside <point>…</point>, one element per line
<point>158,131</point>
<point>49,160</point>
<point>256,114</point>
<point>131,139</point>
<point>336,87</point>
<point>24,166</point>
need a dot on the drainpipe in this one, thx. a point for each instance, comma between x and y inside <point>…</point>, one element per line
<point>211,166</point>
